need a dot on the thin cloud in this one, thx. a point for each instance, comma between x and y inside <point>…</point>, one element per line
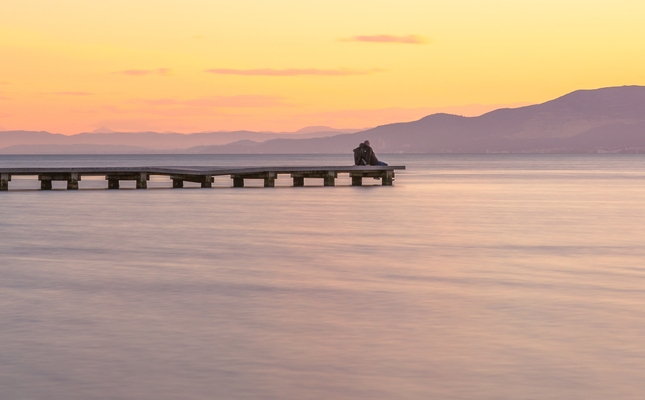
<point>115,109</point>
<point>143,72</point>
<point>237,101</point>
<point>73,93</point>
<point>161,102</point>
<point>165,112</point>
<point>4,83</point>
<point>241,101</point>
<point>407,39</point>
<point>292,72</point>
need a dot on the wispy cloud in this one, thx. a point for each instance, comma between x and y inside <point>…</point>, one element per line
<point>240,101</point>
<point>4,83</point>
<point>237,101</point>
<point>208,106</point>
<point>166,112</point>
<point>73,93</point>
<point>143,72</point>
<point>407,39</point>
<point>293,71</point>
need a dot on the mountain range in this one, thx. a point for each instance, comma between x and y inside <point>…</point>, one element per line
<point>609,119</point>
<point>104,140</point>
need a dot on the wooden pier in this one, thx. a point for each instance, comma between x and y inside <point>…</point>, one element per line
<point>202,175</point>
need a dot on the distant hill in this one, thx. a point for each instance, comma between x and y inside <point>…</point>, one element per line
<point>74,149</point>
<point>315,130</point>
<point>608,119</point>
<point>13,141</point>
<point>582,121</point>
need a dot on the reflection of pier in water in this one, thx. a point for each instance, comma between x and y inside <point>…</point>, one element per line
<point>203,175</point>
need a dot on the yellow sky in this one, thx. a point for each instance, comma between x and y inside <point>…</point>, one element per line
<point>69,66</point>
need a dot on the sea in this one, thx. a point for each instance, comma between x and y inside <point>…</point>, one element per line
<point>490,276</point>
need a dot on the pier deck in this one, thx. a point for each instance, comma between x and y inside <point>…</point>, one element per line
<point>203,175</point>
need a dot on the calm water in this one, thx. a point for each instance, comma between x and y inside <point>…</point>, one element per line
<point>473,277</point>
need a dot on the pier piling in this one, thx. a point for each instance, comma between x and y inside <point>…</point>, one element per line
<point>205,181</point>
<point>329,179</point>
<point>113,183</point>
<point>72,181</point>
<point>4,182</point>
<point>269,179</point>
<point>388,177</point>
<point>45,184</point>
<point>238,181</point>
<point>142,181</point>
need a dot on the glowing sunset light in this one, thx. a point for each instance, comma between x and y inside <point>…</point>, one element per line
<point>221,101</point>
<point>292,72</point>
<point>408,39</point>
<point>73,93</point>
<point>141,72</point>
<point>74,66</point>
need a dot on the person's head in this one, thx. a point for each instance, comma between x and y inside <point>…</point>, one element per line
<point>367,143</point>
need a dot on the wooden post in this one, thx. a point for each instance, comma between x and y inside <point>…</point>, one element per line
<point>269,180</point>
<point>298,181</point>
<point>72,181</point>
<point>142,181</point>
<point>388,177</point>
<point>113,183</point>
<point>238,181</point>
<point>207,182</point>
<point>177,183</point>
<point>45,184</point>
<point>328,179</point>
<point>357,181</point>
<point>4,182</point>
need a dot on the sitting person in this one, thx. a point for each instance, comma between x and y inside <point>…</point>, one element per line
<point>364,155</point>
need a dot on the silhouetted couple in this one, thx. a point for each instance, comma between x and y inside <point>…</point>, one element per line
<point>364,155</point>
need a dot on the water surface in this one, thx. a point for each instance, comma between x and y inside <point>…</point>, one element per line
<point>487,277</point>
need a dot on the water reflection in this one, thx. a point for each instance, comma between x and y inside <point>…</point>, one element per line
<point>472,277</point>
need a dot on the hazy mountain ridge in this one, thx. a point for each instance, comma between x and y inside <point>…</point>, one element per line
<point>75,149</point>
<point>581,121</point>
<point>152,141</point>
<point>607,119</point>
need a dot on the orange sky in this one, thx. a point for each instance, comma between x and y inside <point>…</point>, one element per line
<point>75,65</point>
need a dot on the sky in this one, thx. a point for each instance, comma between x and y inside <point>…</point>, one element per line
<point>71,66</point>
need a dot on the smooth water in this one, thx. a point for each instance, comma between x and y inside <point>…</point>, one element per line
<point>473,277</point>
